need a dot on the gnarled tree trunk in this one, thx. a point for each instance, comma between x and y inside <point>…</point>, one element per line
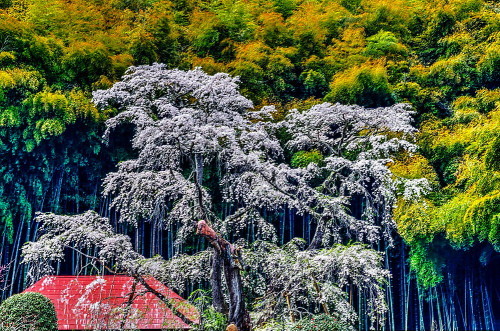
<point>225,254</point>
<point>216,283</point>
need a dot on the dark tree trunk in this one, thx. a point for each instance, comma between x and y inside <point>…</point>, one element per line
<point>237,312</point>
<point>226,253</point>
<point>316,242</point>
<point>216,283</point>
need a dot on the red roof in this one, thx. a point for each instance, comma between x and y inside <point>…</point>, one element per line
<point>100,303</point>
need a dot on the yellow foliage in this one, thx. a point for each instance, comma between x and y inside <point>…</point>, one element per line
<point>7,58</point>
<point>6,80</point>
<point>456,42</point>
<point>9,118</point>
<point>208,64</point>
<point>448,72</point>
<point>83,108</point>
<point>387,15</point>
<point>470,215</point>
<point>417,221</point>
<point>121,62</point>
<point>414,167</point>
<point>20,78</point>
<point>301,23</point>
<point>481,213</point>
<point>272,28</point>
<point>354,38</point>
<point>201,21</point>
<point>365,85</point>
<point>254,51</point>
<point>464,102</point>
<point>48,104</point>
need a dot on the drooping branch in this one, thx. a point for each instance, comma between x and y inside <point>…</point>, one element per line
<point>128,305</point>
<point>169,302</point>
<point>138,278</point>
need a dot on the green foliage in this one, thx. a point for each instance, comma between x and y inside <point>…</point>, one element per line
<point>489,65</point>
<point>166,45</point>
<point>7,220</point>
<point>142,49</point>
<point>487,100</point>
<point>211,320</point>
<point>236,19</point>
<point>302,159</point>
<point>384,43</point>
<point>5,4</point>
<point>465,212</point>
<point>426,264</point>
<point>285,7</point>
<point>85,62</point>
<point>365,85</point>
<point>454,74</point>
<point>492,159</point>
<point>6,59</point>
<point>484,215</point>
<point>314,83</point>
<point>133,5</point>
<point>440,25</point>
<point>321,322</point>
<point>51,113</point>
<point>46,141</point>
<point>28,311</point>
<point>425,100</point>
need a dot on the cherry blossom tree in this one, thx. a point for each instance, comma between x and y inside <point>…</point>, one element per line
<point>357,143</point>
<point>187,123</point>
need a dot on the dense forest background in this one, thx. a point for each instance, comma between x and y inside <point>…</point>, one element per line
<point>442,57</point>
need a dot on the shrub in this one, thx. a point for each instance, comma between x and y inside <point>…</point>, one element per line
<point>26,312</point>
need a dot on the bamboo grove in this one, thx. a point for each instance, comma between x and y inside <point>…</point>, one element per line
<point>440,57</point>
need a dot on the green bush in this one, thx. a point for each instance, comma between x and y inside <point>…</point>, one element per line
<point>321,322</point>
<point>28,311</point>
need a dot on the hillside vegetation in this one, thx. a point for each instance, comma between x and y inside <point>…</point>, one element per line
<point>442,57</point>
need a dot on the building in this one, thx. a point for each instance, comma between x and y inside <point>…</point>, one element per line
<point>114,302</point>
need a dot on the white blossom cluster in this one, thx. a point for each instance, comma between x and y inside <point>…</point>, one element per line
<point>335,128</point>
<point>183,119</point>
<point>88,233</point>
<point>316,277</point>
<point>414,189</point>
<point>179,271</point>
<point>309,278</point>
<point>357,143</point>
